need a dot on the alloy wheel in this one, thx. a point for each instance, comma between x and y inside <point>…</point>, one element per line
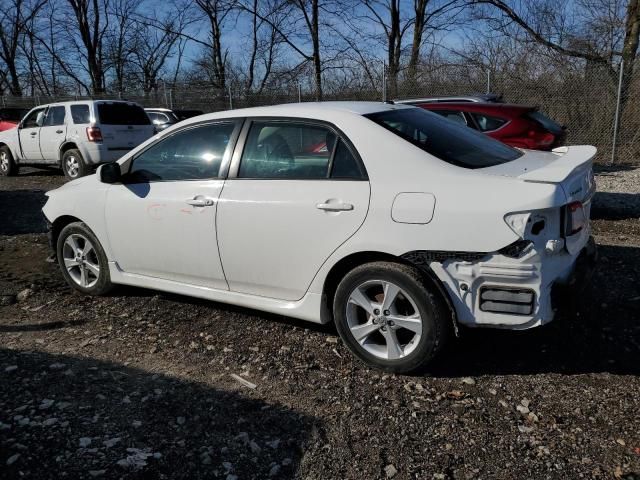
<point>4,162</point>
<point>384,319</point>
<point>81,260</point>
<point>72,166</point>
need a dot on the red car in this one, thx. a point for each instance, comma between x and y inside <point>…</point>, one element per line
<point>10,117</point>
<point>516,125</point>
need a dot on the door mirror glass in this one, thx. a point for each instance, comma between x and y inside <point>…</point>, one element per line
<point>40,119</point>
<point>110,173</point>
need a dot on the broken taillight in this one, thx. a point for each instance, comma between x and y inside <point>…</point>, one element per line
<point>575,218</point>
<point>94,134</point>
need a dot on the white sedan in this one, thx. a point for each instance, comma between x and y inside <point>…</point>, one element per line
<point>391,221</point>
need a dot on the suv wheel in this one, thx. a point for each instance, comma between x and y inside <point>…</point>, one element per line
<point>8,166</point>
<point>388,317</point>
<point>73,165</point>
<point>82,260</point>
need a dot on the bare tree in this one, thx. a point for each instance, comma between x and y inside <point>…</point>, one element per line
<point>15,17</point>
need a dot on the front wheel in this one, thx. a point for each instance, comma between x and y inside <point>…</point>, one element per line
<point>82,260</point>
<point>8,166</point>
<point>389,318</point>
<point>73,165</point>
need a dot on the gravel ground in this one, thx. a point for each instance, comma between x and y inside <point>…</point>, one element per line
<point>144,385</point>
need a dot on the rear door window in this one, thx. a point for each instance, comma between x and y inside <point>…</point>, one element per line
<point>80,114</point>
<point>487,123</point>
<point>55,116</point>
<point>121,113</point>
<point>452,115</point>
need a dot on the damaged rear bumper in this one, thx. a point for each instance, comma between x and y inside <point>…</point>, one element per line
<point>500,291</point>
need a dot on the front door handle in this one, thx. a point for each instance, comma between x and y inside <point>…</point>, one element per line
<point>59,131</point>
<point>33,134</point>
<point>201,202</point>
<point>334,207</point>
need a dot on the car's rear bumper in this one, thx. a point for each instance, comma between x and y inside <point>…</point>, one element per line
<point>501,291</point>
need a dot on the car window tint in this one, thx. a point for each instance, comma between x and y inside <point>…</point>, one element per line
<point>345,164</point>
<point>287,150</point>
<point>190,154</point>
<point>121,113</point>
<point>55,116</point>
<point>454,116</point>
<point>80,114</point>
<point>448,141</point>
<point>158,118</point>
<point>487,123</point>
<point>31,121</point>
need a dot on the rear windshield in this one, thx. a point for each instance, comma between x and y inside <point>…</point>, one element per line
<point>122,114</point>
<point>455,144</point>
<point>545,121</point>
<point>12,114</point>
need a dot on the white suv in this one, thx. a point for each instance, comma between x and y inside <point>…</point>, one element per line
<point>78,136</point>
<point>391,221</point>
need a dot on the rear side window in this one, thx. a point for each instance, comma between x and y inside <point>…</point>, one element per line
<point>448,141</point>
<point>545,121</point>
<point>345,164</point>
<point>287,150</point>
<point>55,116</point>
<point>158,118</point>
<point>120,113</point>
<point>80,114</point>
<point>452,115</point>
<point>488,123</point>
<point>192,154</point>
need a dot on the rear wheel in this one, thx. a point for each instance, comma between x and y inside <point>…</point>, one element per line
<point>82,260</point>
<point>8,166</point>
<point>388,317</point>
<point>73,165</point>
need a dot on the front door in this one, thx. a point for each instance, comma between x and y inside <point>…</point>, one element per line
<point>299,193</point>
<point>161,220</point>
<point>52,133</point>
<point>30,135</point>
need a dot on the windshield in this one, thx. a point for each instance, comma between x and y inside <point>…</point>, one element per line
<point>120,113</point>
<point>455,144</point>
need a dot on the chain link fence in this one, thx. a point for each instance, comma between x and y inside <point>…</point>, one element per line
<point>589,102</point>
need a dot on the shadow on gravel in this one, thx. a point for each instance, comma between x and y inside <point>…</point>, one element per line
<point>20,211</point>
<point>40,327</point>
<point>601,334</point>
<point>615,206</point>
<point>64,416</point>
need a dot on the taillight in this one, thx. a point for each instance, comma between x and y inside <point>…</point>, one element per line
<point>575,218</point>
<point>542,139</point>
<point>94,134</point>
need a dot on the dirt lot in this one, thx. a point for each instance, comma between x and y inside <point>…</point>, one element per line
<point>138,384</point>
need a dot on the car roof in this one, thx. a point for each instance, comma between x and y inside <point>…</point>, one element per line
<point>476,98</point>
<point>476,106</point>
<point>88,100</point>
<point>305,110</point>
<point>157,109</point>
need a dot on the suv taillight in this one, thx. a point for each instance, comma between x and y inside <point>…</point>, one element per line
<point>575,218</point>
<point>94,134</point>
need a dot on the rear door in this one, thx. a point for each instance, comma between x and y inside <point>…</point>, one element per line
<point>53,133</point>
<point>124,125</point>
<point>29,134</point>
<point>295,193</point>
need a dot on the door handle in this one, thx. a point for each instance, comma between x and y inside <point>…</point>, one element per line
<point>334,207</point>
<point>33,134</point>
<point>59,131</point>
<point>201,202</point>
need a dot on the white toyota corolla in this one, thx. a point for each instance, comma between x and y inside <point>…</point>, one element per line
<point>393,222</point>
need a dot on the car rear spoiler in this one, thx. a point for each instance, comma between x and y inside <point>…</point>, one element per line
<point>569,160</point>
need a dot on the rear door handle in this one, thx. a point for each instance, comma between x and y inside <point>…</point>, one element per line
<point>334,207</point>
<point>201,202</point>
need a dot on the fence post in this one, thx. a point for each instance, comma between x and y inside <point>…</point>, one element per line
<point>299,93</point>
<point>384,81</point>
<point>488,81</point>
<point>171,98</point>
<point>616,119</point>
<point>230,99</point>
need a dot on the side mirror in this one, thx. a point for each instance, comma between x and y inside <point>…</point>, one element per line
<point>110,173</point>
<point>40,119</point>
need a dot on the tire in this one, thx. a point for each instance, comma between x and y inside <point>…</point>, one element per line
<point>85,270</point>
<point>73,165</point>
<point>385,342</point>
<point>8,166</point>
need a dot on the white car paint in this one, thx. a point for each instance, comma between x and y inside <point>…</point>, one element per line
<point>265,244</point>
